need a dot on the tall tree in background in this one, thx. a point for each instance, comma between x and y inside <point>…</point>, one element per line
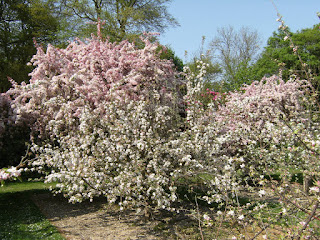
<point>124,19</point>
<point>279,55</point>
<point>21,21</point>
<point>235,51</point>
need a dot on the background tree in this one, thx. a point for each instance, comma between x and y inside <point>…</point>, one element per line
<point>21,21</point>
<point>235,51</point>
<point>124,19</point>
<point>278,54</point>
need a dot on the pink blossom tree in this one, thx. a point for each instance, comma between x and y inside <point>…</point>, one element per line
<point>255,143</point>
<point>92,71</point>
<point>103,117</point>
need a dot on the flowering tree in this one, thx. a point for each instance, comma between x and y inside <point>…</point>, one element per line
<point>267,130</point>
<point>10,173</point>
<point>91,70</point>
<point>104,119</point>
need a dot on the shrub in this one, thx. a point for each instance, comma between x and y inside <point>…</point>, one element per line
<point>104,120</point>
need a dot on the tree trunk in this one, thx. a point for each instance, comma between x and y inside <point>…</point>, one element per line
<point>306,183</point>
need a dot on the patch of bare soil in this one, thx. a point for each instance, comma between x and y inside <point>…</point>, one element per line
<point>93,221</point>
<point>98,220</point>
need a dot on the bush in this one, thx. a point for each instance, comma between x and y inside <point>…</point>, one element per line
<point>104,119</point>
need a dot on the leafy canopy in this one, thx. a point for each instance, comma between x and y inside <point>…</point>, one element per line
<point>20,22</point>
<point>278,54</point>
<point>124,19</point>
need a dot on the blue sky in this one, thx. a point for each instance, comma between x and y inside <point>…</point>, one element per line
<point>199,18</point>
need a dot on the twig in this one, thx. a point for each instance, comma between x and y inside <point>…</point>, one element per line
<point>257,234</point>
<point>199,218</point>
<point>300,140</point>
<point>22,162</point>
<point>308,221</point>
<point>301,208</point>
<point>265,227</point>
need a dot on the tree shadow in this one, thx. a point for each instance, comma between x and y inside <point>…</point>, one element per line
<point>105,221</point>
<point>21,219</point>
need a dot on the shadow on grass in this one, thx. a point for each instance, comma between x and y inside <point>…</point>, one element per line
<point>57,207</point>
<point>20,218</point>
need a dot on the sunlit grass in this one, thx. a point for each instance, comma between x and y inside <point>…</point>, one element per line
<point>20,218</point>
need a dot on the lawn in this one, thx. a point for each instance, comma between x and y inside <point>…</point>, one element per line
<point>20,218</point>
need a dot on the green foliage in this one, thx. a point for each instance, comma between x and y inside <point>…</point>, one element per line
<point>276,54</point>
<point>242,75</point>
<point>169,54</point>
<point>123,19</point>
<point>21,22</point>
<point>279,55</point>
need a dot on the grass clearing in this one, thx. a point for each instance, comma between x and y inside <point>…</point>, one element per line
<point>20,218</point>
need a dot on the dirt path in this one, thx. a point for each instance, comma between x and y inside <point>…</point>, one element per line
<point>92,221</point>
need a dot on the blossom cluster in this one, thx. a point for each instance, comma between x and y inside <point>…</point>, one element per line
<point>268,128</point>
<point>104,118</point>
<point>129,153</point>
<point>93,72</point>
<point>10,173</point>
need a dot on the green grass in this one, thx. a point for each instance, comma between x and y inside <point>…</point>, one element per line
<point>20,218</point>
